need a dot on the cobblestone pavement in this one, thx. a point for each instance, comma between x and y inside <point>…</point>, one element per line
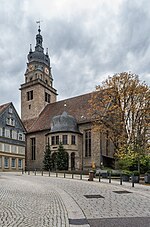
<point>28,200</point>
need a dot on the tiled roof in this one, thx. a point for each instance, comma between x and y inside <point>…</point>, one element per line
<point>4,106</point>
<point>77,107</point>
<point>28,123</point>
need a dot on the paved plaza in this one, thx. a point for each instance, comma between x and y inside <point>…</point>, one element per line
<point>29,200</point>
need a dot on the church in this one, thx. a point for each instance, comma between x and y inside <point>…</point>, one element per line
<point>48,121</point>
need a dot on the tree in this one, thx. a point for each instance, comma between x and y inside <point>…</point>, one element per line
<point>62,158</point>
<point>120,109</point>
<point>47,158</point>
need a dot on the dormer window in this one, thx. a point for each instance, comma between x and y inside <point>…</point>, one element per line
<point>10,121</point>
<point>21,136</point>
<point>10,109</point>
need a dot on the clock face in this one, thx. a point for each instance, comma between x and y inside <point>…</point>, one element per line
<point>31,67</point>
<point>46,71</point>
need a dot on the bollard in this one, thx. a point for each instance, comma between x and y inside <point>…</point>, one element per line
<point>49,173</point>
<point>72,176</point>
<point>109,177</point>
<point>22,170</point>
<point>64,174</point>
<point>28,172</point>
<point>133,180</point>
<point>35,172</point>
<point>99,176</point>
<point>42,172</point>
<point>81,176</point>
<point>56,174</point>
<point>91,175</point>
<point>121,179</point>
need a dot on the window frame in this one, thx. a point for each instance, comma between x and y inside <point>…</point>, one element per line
<point>6,162</point>
<point>13,161</point>
<point>29,95</point>
<point>88,143</point>
<point>33,148</point>
<point>20,164</point>
<point>47,97</point>
<point>73,139</point>
<point>64,139</point>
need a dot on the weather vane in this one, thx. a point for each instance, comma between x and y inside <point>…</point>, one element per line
<point>39,22</point>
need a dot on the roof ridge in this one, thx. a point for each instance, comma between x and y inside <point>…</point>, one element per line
<point>74,97</point>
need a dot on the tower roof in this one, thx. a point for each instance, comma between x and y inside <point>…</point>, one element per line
<point>63,123</point>
<point>38,54</point>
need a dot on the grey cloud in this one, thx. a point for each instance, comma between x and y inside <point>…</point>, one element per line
<point>84,48</point>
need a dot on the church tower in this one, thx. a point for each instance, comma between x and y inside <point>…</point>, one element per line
<point>37,91</point>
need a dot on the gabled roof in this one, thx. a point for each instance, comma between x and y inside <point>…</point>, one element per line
<point>3,107</point>
<point>77,107</point>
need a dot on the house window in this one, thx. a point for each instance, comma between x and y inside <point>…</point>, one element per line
<point>10,121</point>
<point>48,140</point>
<point>13,149</point>
<point>54,140</point>
<point>19,163</point>
<point>65,139</point>
<point>57,140</point>
<point>47,97</point>
<point>33,148</point>
<point>10,110</point>
<point>7,133</point>
<point>13,162</point>
<point>10,133</point>
<point>29,95</point>
<point>6,162</point>
<point>6,147</point>
<point>1,147</point>
<point>14,135</point>
<point>20,136</point>
<point>73,139</point>
<point>88,143</point>
<point>21,150</point>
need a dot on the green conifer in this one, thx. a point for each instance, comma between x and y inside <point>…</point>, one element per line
<point>47,158</point>
<point>62,158</point>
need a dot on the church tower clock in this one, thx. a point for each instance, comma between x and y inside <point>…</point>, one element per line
<point>37,91</point>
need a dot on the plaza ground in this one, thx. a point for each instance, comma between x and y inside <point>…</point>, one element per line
<point>29,200</point>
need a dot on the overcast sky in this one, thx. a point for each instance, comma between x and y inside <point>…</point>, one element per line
<point>87,41</point>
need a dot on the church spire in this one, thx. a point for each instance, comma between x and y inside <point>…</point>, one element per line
<point>39,38</point>
<point>38,54</point>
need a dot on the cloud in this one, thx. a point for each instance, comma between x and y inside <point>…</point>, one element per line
<point>86,42</point>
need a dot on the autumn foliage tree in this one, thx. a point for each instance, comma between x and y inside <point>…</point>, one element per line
<point>120,108</point>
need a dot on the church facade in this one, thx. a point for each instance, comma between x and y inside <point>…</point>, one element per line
<point>48,121</point>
